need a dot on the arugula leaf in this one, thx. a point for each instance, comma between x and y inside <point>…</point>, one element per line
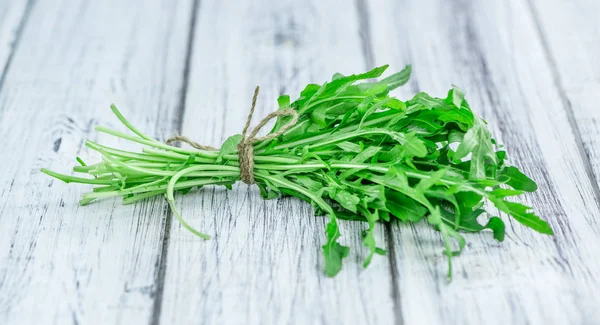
<point>349,146</point>
<point>283,101</point>
<point>457,96</point>
<point>369,237</point>
<point>398,79</point>
<point>333,251</point>
<point>477,141</point>
<point>348,200</point>
<point>497,226</point>
<point>517,180</point>
<point>403,207</point>
<point>229,146</point>
<point>523,215</point>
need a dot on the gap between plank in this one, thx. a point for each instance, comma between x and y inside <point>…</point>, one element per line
<point>396,296</point>
<point>15,44</point>
<point>364,31</point>
<point>566,103</point>
<point>162,260</point>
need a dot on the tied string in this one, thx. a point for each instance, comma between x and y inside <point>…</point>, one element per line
<point>246,145</point>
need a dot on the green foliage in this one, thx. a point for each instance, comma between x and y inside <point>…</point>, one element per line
<point>229,146</point>
<point>356,153</point>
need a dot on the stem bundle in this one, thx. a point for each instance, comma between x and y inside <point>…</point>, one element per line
<point>354,153</point>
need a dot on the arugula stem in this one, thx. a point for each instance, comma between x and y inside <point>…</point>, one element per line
<point>321,136</point>
<point>69,179</point>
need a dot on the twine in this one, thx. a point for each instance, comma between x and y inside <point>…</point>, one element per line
<point>246,145</point>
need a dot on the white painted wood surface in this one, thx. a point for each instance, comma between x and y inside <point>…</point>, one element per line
<point>570,30</point>
<point>492,50</point>
<point>12,14</point>
<point>61,263</point>
<point>530,68</point>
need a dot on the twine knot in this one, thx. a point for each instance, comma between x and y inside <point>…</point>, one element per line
<point>246,145</point>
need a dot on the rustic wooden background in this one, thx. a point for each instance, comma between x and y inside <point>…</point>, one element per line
<point>530,67</point>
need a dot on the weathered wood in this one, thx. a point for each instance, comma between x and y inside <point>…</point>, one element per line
<point>530,68</point>
<point>61,263</point>
<point>13,16</point>
<point>493,50</point>
<point>264,264</point>
<point>570,33</point>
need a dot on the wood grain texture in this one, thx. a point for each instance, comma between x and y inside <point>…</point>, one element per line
<point>61,263</point>
<point>529,67</point>
<point>264,264</point>
<point>13,15</point>
<point>570,33</point>
<point>493,50</point>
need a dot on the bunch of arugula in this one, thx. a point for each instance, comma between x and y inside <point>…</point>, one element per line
<point>355,153</point>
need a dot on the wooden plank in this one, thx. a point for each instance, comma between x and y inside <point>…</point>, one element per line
<point>61,263</point>
<point>570,32</point>
<point>492,49</point>
<point>13,16</point>
<point>264,264</point>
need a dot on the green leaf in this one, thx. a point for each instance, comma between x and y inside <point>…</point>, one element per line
<point>368,89</point>
<point>349,216</point>
<point>413,145</point>
<point>397,104</point>
<point>403,207</point>
<point>309,183</point>
<point>369,237</point>
<point>497,226</point>
<point>422,101</point>
<point>523,215</point>
<point>371,110</point>
<point>319,115</point>
<point>398,79</point>
<point>344,198</point>
<point>334,89</point>
<point>426,183</point>
<point>349,147</point>
<point>266,193</point>
<point>283,101</point>
<point>435,219</point>
<point>517,180</point>
<point>384,215</point>
<point>376,72</point>
<point>363,107</point>
<point>229,146</point>
<point>307,94</point>
<point>468,221</point>
<point>478,142</point>
<point>333,251</point>
<point>337,75</point>
<point>366,154</point>
<point>457,95</point>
